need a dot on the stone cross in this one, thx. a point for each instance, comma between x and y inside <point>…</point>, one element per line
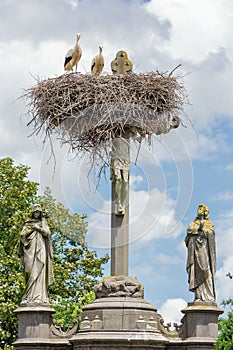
<point>120,161</point>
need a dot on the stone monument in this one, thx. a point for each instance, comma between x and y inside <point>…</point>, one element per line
<point>35,322</point>
<point>201,316</point>
<point>119,318</point>
<point>36,254</point>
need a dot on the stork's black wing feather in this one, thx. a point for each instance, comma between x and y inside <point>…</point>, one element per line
<point>67,59</point>
<point>92,66</point>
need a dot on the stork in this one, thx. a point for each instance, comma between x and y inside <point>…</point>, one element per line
<point>121,64</point>
<point>73,56</point>
<point>97,64</point>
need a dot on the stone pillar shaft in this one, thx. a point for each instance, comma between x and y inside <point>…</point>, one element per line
<point>119,238</point>
<point>120,223</point>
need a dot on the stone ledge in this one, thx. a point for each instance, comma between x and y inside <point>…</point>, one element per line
<point>42,344</point>
<point>119,303</point>
<point>202,307</point>
<point>41,341</point>
<point>40,308</point>
<point>111,338</point>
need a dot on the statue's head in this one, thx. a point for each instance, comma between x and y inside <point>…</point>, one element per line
<point>36,212</point>
<point>203,212</point>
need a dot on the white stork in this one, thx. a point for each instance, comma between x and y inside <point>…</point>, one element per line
<point>73,56</point>
<point>97,64</point>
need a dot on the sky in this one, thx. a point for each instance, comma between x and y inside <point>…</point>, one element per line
<point>191,165</point>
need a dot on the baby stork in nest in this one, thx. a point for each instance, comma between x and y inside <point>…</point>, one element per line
<point>97,64</point>
<point>73,56</point>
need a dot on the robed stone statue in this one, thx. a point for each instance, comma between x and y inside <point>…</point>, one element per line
<point>119,172</point>
<point>35,252</point>
<point>201,259</point>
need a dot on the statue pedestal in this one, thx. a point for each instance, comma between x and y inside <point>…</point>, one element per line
<point>34,329</point>
<point>200,325</point>
<point>120,321</point>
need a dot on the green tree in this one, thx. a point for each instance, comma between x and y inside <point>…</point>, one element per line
<point>16,195</point>
<point>225,337</point>
<point>76,267</point>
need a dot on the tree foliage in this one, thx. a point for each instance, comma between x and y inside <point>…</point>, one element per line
<point>76,267</point>
<point>16,196</point>
<point>225,337</point>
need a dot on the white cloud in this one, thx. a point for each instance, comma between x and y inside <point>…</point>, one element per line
<point>152,216</point>
<point>205,50</point>
<point>224,284</point>
<point>224,238</point>
<point>197,28</point>
<point>168,259</point>
<point>99,227</point>
<point>73,3</point>
<point>223,196</point>
<point>135,180</point>
<point>229,167</point>
<point>171,310</point>
<point>33,52</point>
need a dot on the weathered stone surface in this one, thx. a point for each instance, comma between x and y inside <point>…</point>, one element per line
<point>42,344</point>
<point>200,322</point>
<point>34,329</point>
<point>119,286</point>
<point>114,323</point>
<point>34,322</point>
<point>201,259</point>
<point>119,236</point>
<point>58,332</point>
<point>123,323</point>
<point>36,254</point>
<point>118,313</point>
<point>118,340</point>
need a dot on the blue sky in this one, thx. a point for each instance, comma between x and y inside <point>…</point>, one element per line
<point>186,167</point>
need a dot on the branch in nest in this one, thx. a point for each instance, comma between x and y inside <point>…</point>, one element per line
<point>88,111</point>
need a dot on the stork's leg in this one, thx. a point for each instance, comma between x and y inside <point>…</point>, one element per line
<point>76,66</point>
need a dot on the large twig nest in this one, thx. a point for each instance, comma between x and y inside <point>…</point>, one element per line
<point>87,111</point>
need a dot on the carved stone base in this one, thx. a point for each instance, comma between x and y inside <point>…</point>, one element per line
<point>200,325</point>
<point>119,323</point>
<point>34,329</point>
<point>34,321</point>
<point>42,344</point>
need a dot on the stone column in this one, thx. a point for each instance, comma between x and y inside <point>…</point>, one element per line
<point>34,329</point>
<point>119,238</point>
<point>200,325</point>
<point>120,222</point>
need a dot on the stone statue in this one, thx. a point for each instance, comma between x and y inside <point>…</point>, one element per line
<point>35,252</point>
<point>119,171</point>
<point>201,260</point>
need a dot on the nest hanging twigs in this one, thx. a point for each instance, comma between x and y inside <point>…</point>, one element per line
<point>88,111</point>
